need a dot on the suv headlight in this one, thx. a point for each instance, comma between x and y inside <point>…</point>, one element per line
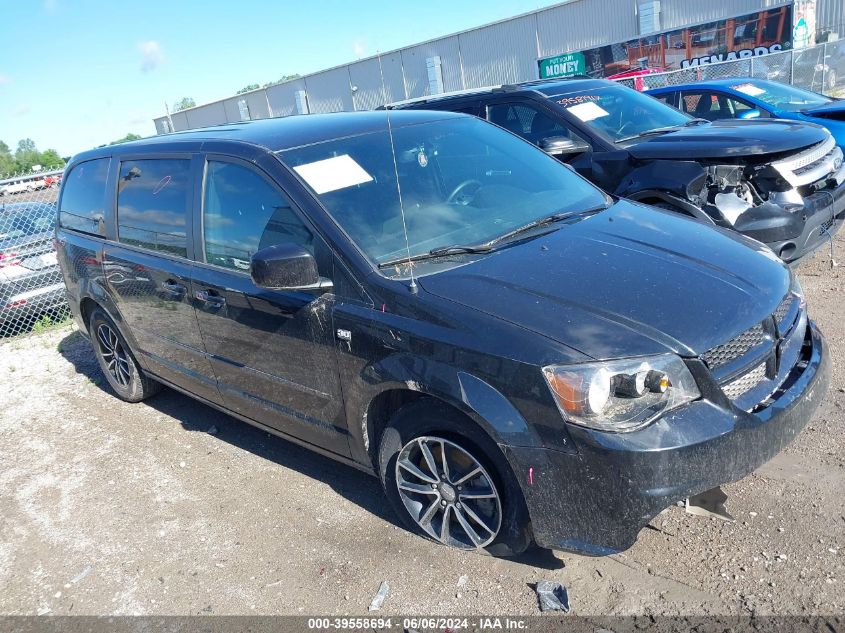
<point>622,395</point>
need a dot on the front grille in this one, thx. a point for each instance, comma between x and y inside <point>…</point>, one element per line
<point>735,348</point>
<point>825,226</point>
<point>783,311</point>
<point>812,165</point>
<point>746,382</point>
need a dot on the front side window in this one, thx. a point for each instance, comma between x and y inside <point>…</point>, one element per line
<point>461,181</point>
<point>152,204</point>
<point>712,106</point>
<point>243,213</point>
<point>619,114</point>
<point>84,196</point>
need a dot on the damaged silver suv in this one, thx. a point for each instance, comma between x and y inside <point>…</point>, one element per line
<point>779,182</point>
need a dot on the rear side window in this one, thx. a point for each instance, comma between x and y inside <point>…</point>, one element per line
<point>84,195</point>
<point>152,204</point>
<point>243,213</point>
<point>525,121</point>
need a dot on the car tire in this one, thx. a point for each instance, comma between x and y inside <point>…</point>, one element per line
<point>466,448</point>
<point>117,362</point>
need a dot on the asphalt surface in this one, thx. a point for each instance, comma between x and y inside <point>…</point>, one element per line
<point>170,507</point>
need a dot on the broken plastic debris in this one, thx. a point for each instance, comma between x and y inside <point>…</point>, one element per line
<point>462,580</point>
<point>81,575</point>
<point>710,503</point>
<point>381,594</point>
<point>552,596</point>
<point>212,430</point>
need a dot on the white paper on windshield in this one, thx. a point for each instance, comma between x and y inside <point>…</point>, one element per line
<point>588,111</point>
<point>750,89</point>
<point>332,174</point>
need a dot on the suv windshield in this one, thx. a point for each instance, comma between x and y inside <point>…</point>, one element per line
<point>620,114</point>
<point>781,96</point>
<point>461,180</point>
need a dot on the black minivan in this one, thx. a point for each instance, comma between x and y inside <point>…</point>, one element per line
<point>431,299</point>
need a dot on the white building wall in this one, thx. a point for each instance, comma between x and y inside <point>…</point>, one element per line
<point>503,52</point>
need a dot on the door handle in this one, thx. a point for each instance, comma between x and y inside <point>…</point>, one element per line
<point>175,289</point>
<point>210,298</point>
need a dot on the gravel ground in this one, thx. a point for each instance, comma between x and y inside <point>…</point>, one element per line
<point>170,507</point>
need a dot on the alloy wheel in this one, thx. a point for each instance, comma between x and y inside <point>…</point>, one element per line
<point>114,354</point>
<point>448,493</point>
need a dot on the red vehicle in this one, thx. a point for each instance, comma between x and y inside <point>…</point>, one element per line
<point>52,181</point>
<point>637,75</point>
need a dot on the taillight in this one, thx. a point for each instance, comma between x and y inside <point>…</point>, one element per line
<point>9,259</point>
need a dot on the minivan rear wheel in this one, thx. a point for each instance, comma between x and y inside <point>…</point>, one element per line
<point>116,361</point>
<point>448,481</point>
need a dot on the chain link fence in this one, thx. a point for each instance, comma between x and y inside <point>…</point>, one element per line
<point>819,68</point>
<point>32,292</point>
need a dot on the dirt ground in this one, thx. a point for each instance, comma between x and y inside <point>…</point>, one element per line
<point>170,507</point>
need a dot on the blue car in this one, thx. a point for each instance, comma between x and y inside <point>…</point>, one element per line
<point>744,98</point>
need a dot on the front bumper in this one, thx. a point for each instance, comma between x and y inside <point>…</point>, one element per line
<point>596,500</point>
<point>794,236</point>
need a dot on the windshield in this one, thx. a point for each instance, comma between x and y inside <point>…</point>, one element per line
<point>23,220</point>
<point>461,180</point>
<point>619,113</point>
<point>781,96</point>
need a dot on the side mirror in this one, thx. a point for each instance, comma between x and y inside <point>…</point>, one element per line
<point>287,267</point>
<point>750,114</point>
<point>563,146</point>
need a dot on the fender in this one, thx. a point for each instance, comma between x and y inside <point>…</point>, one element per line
<point>678,203</point>
<point>680,179</point>
<point>476,398</point>
<point>92,288</point>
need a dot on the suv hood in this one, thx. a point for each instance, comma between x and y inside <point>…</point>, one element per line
<point>730,139</point>
<point>629,281</point>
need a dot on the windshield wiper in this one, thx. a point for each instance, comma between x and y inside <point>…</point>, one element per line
<point>490,245</point>
<point>662,130</point>
<point>654,132</point>
<point>435,253</point>
<point>534,224</point>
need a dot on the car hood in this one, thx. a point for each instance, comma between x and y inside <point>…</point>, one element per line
<point>729,139</point>
<point>629,281</point>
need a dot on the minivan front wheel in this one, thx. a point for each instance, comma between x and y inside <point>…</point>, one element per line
<point>448,481</point>
<point>451,497</point>
<point>116,360</point>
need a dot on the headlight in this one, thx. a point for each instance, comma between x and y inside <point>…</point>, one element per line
<point>622,395</point>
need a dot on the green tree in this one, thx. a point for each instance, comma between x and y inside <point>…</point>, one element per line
<point>7,161</point>
<point>127,138</point>
<point>50,159</point>
<point>248,88</point>
<point>184,104</point>
<point>26,155</point>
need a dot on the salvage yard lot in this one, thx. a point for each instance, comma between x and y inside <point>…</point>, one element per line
<point>170,507</point>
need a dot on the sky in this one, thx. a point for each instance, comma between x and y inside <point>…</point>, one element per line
<point>75,74</point>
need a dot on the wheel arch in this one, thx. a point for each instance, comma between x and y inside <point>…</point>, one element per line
<point>472,397</point>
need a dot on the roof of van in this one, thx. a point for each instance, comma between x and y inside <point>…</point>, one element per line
<point>280,133</point>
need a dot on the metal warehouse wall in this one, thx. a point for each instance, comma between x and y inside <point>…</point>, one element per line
<point>502,52</point>
<point>830,14</point>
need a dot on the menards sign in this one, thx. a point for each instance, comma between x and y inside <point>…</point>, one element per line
<point>563,66</point>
